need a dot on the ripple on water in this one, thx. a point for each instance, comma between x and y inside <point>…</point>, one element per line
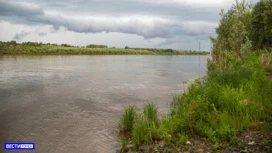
<point>68,104</point>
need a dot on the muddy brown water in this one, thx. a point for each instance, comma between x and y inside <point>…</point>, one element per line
<point>71,104</point>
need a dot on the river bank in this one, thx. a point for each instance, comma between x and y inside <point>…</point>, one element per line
<point>252,140</point>
<point>33,48</point>
<point>226,111</point>
<point>229,109</point>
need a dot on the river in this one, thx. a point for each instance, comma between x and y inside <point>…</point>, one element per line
<point>72,104</point>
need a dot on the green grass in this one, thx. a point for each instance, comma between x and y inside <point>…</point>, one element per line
<point>139,133</point>
<point>8,48</point>
<point>151,113</point>
<point>127,120</point>
<point>56,50</point>
<point>217,107</point>
<point>223,104</point>
<point>145,125</point>
<point>138,128</point>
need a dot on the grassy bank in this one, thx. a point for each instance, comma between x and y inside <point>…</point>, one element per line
<point>61,50</point>
<point>13,48</point>
<point>217,108</point>
<point>228,110</point>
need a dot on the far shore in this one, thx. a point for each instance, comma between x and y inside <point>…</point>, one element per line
<point>34,48</point>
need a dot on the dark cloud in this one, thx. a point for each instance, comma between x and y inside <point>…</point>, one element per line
<point>131,7</point>
<point>19,9</point>
<point>21,35</point>
<point>146,26</point>
<point>172,21</point>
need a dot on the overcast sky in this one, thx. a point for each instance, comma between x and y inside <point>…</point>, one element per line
<point>178,24</point>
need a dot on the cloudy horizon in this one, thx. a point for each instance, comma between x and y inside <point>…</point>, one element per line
<point>177,24</point>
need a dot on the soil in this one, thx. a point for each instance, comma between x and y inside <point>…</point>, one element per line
<point>254,140</point>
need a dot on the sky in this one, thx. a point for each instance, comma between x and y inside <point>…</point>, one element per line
<point>177,24</point>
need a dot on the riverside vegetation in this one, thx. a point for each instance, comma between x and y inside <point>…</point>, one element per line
<point>222,111</point>
<point>14,48</point>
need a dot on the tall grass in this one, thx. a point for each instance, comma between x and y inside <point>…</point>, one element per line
<point>140,128</point>
<point>151,113</point>
<point>139,133</point>
<point>127,120</point>
<point>221,105</point>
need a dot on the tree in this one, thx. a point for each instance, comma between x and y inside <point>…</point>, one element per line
<point>233,31</point>
<point>262,24</point>
<point>168,50</point>
<point>96,46</point>
<point>12,43</point>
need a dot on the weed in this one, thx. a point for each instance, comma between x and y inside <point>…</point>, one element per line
<point>151,114</point>
<point>139,133</point>
<point>127,120</point>
<point>182,139</point>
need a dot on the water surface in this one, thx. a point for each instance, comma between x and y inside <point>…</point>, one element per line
<point>69,104</point>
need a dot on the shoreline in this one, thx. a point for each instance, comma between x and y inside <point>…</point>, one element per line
<point>226,111</point>
<point>14,48</point>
